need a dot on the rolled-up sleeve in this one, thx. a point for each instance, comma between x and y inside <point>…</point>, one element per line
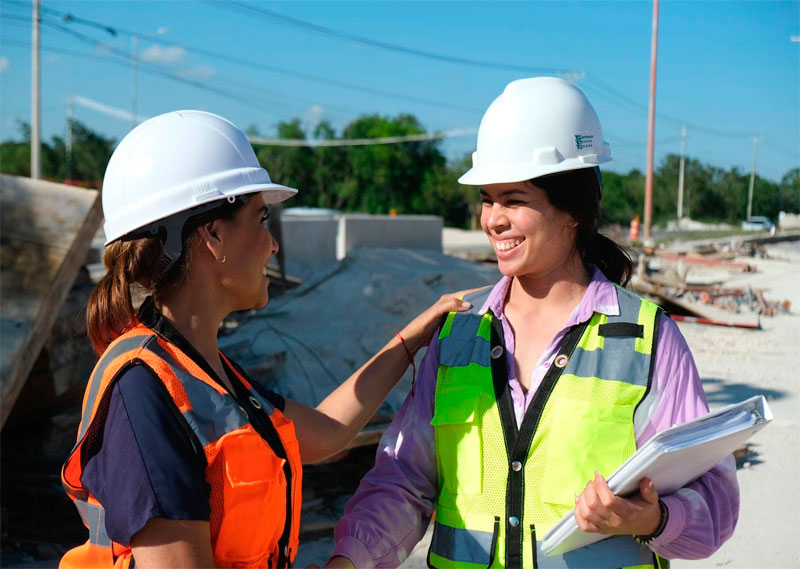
<point>702,515</point>
<point>390,511</point>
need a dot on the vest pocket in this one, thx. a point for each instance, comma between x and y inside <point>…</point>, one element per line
<point>584,437</point>
<point>458,439</point>
<point>247,501</point>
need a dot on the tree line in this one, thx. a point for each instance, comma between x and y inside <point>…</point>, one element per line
<point>415,177</point>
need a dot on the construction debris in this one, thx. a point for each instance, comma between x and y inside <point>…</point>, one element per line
<point>46,231</point>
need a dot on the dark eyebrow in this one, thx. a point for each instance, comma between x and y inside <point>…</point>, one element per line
<point>503,194</point>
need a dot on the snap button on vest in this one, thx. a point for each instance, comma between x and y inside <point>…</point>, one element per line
<point>513,521</point>
<point>561,360</point>
<point>497,351</point>
<point>516,466</point>
<point>255,402</point>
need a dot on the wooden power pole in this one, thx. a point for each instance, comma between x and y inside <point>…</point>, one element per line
<point>651,128</point>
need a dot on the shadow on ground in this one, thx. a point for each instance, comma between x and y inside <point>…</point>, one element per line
<point>721,392</point>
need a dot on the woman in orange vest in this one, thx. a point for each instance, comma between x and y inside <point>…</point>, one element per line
<point>181,461</point>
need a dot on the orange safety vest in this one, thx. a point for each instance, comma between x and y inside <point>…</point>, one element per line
<point>255,494</point>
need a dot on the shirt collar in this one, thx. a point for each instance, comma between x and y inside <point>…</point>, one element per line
<point>600,296</point>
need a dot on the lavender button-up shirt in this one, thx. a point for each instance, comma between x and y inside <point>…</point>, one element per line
<point>393,505</point>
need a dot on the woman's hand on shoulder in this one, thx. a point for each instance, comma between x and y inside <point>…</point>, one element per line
<point>419,331</point>
<point>599,510</point>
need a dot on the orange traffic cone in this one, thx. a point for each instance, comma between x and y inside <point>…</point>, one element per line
<point>634,232</point>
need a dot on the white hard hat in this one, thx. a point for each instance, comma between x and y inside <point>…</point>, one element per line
<point>536,127</point>
<point>177,161</point>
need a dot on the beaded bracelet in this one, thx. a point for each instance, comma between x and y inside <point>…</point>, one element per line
<point>645,539</point>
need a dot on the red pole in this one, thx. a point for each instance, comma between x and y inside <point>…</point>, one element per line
<point>651,128</point>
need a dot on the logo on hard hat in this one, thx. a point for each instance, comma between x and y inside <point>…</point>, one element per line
<point>583,141</point>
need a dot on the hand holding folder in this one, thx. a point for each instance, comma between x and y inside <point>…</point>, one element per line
<point>672,459</point>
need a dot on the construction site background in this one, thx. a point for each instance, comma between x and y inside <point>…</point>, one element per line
<point>735,298</point>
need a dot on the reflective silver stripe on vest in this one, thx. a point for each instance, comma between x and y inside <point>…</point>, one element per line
<point>629,305</point>
<point>618,551</point>
<point>611,364</point>
<point>121,347</point>
<point>213,414</point>
<point>455,352</point>
<point>97,525</point>
<point>461,545</point>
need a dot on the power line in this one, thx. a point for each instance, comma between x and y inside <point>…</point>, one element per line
<point>365,141</point>
<point>280,70</point>
<point>156,71</point>
<point>616,96</point>
<point>265,14</point>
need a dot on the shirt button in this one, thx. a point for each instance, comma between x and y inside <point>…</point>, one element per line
<point>497,351</point>
<point>516,466</point>
<point>546,364</point>
<point>255,402</point>
<point>513,521</point>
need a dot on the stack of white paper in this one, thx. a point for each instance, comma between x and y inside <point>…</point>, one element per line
<point>672,459</point>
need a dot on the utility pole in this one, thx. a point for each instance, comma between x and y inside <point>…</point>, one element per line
<point>752,178</point>
<point>680,173</point>
<point>651,128</point>
<point>68,141</point>
<point>36,109</point>
<point>134,88</point>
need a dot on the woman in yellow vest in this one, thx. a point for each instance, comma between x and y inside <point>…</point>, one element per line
<point>181,460</point>
<point>526,402</point>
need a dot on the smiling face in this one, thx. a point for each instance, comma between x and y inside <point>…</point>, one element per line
<point>531,238</point>
<point>248,248</point>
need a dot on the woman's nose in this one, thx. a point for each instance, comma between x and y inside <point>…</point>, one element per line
<point>496,217</point>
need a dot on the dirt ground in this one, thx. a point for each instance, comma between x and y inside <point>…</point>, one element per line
<point>734,364</point>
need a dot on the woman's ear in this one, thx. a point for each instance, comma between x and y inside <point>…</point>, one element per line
<point>209,234</point>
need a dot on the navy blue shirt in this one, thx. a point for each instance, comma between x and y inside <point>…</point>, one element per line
<point>146,465</point>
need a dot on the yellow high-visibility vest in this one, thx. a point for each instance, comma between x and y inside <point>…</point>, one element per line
<point>501,488</point>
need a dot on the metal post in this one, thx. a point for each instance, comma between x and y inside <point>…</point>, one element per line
<point>680,173</point>
<point>36,110</point>
<point>134,87</point>
<point>68,141</point>
<point>651,128</point>
<point>752,178</point>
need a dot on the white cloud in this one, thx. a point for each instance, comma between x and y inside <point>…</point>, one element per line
<point>312,117</point>
<point>4,64</point>
<point>170,55</point>
<point>315,113</point>
<point>162,30</point>
<point>198,71</point>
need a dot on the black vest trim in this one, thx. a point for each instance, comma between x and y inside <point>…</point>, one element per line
<point>621,329</point>
<point>515,487</point>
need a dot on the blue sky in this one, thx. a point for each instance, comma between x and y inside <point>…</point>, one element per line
<point>728,70</point>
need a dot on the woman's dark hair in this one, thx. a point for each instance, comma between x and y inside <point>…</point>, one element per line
<point>135,261</point>
<point>578,193</point>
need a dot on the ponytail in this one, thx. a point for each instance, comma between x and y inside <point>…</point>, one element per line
<point>578,193</point>
<point>110,311</point>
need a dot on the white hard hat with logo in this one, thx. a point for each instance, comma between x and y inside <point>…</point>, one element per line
<point>174,166</point>
<point>536,127</point>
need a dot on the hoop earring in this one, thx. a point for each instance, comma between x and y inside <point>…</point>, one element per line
<point>224,258</point>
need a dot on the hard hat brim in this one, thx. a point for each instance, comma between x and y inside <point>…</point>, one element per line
<point>508,173</point>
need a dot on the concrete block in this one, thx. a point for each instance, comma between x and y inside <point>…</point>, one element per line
<point>388,232</point>
<point>308,242</point>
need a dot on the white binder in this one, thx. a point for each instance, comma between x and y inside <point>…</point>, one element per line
<point>671,459</point>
